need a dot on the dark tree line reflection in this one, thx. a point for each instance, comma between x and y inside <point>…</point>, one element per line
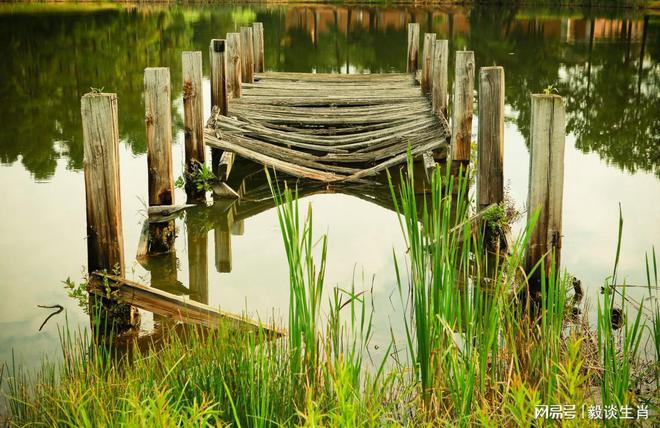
<point>605,65</point>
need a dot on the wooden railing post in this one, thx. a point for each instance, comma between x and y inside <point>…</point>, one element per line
<point>427,62</point>
<point>439,77</point>
<point>258,37</point>
<point>462,108</point>
<point>193,116</point>
<point>490,137</point>
<point>247,55</point>
<point>158,121</point>
<point>105,241</point>
<point>546,183</point>
<point>413,47</point>
<point>234,74</point>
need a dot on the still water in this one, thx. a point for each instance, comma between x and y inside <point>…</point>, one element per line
<point>604,63</point>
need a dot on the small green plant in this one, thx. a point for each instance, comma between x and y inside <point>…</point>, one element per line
<point>200,178</point>
<point>77,291</point>
<point>550,89</point>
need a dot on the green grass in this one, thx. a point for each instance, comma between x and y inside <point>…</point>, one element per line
<point>475,354</point>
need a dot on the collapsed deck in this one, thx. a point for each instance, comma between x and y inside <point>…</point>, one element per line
<point>329,127</point>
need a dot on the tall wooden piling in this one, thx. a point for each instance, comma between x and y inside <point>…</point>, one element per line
<point>247,55</point>
<point>439,77</point>
<point>546,183</point>
<point>158,122</point>
<point>193,115</point>
<point>233,55</point>
<point>427,62</point>
<point>413,47</point>
<point>462,109</point>
<point>217,61</point>
<point>490,137</point>
<point>105,241</point>
<point>258,43</point>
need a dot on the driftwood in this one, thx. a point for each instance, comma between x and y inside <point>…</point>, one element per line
<point>176,307</point>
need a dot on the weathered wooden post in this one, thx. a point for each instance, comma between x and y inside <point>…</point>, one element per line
<point>439,77</point>
<point>247,55</point>
<point>546,184</point>
<point>490,137</point>
<point>158,121</point>
<point>462,108</point>
<point>105,241</point>
<point>258,37</point>
<point>413,47</point>
<point>233,55</point>
<point>427,62</point>
<point>218,77</point>
<point>193,117</point>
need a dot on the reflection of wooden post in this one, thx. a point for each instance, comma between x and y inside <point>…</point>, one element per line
<point>247,55</point>
<point>439,77</point>
<point>218,77</point>
<point>222,249</point>
<point>413,47</point>
<point>198,279</point>
<point>158,120</point>
<point>546,181</point>
<point>233,56</point>
<point>462,107</point>
<point>105,242</point>
<point>193,115</point>
<point>427,62</point>
<point>490,139</point>
<point>258,37</point>
<point>238,228</point>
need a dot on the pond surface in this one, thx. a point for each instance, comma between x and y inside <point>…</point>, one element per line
<point>604,62</point>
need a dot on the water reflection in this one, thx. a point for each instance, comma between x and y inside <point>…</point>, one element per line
<point>606,66</point>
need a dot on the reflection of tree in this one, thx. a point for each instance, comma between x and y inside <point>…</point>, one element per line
<point>52,59</point>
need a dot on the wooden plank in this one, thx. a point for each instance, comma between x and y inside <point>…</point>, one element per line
<point>490,137</point>
<point>427,62</point>
<point>234,64</point>
<point>158,120</point>
<point>176,307</point>
<point>413,48</point>
<point>258,42</point>
<point>439,79</point>
<point>462,110</point>
<point>193,116</point>
<point>161,213</point>
<point>247,55</point>
<point>546,182</point>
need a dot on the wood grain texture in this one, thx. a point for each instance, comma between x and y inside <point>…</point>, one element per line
<point>218,74</point>
<point>427,62</point>
<point>234,74</point>
<point>193,109</point>
<point>158,120</point>
<point>490,137</point>
<point>546,178</point>
<point>258,43</point>
<point>413,48</point>
<point>105,242</point>
<point>247,55</point>
<point>462,109</point>
<point>439,77</point>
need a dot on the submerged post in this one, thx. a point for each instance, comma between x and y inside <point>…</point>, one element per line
<point>462,108</point>
<point>427,62</point>
<point>193,116</point>
<point>490,137</point>
<point>439,77</point>
<point>413,47</point>
<point>247,55</point>
<point>105,241</point>
<point>546,183</point>
<point>233,56</point>
<point>158,121</point>
<point>258,42</point>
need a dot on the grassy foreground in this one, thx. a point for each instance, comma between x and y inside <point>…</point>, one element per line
<point>475,355</point>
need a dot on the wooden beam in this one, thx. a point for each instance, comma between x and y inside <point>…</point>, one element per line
<point>462,109</point>
<point>546,182</point>
<point>258,37</point>
<point>427,62</point>
<point>234,73</point>
<point>413,47</point>
<point>439,77</point>
<point>193,116</point>
<point>247,55</point>
<point>490,137</point>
